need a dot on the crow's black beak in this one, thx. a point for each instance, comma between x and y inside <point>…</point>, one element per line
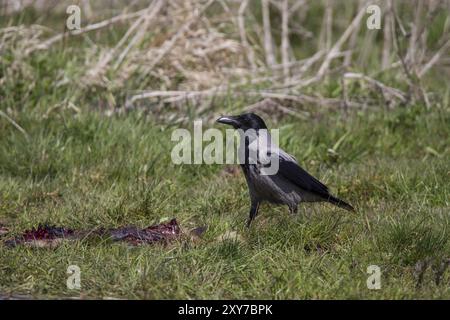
<point>228,120</point>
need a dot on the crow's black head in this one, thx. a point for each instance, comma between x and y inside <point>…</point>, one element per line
<point>244,121</point>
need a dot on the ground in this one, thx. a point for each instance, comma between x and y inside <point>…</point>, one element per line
<point>91,171</point>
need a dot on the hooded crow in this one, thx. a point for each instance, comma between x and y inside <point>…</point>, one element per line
<point>289,185</point>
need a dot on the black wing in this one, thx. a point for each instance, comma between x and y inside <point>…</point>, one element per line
<point>291,171</point>
<point>302,179</point>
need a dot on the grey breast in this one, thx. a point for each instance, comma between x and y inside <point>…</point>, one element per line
<point>273,188</point>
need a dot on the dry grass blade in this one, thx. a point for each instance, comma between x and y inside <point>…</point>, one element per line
<point>146,20</point>
<point>337,46</point>
<point>95,74</point>
<point>392,91</point>
<point>10,120</point>
<point>285,39</point>
<point>268,42</point>
<point>167,46</point>
<point>243,34</point>
<point>92,27</point>
<point>436,57</point>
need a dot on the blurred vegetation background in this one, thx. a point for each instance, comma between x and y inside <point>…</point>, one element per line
<point>177,59</point>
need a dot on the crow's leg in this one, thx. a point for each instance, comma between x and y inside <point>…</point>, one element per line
<point>253,212</point>
<point>293,209</point>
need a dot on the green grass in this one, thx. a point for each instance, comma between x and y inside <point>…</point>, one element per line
<point>90,171</point>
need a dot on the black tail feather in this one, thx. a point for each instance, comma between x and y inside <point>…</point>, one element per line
<point>340,203</point>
